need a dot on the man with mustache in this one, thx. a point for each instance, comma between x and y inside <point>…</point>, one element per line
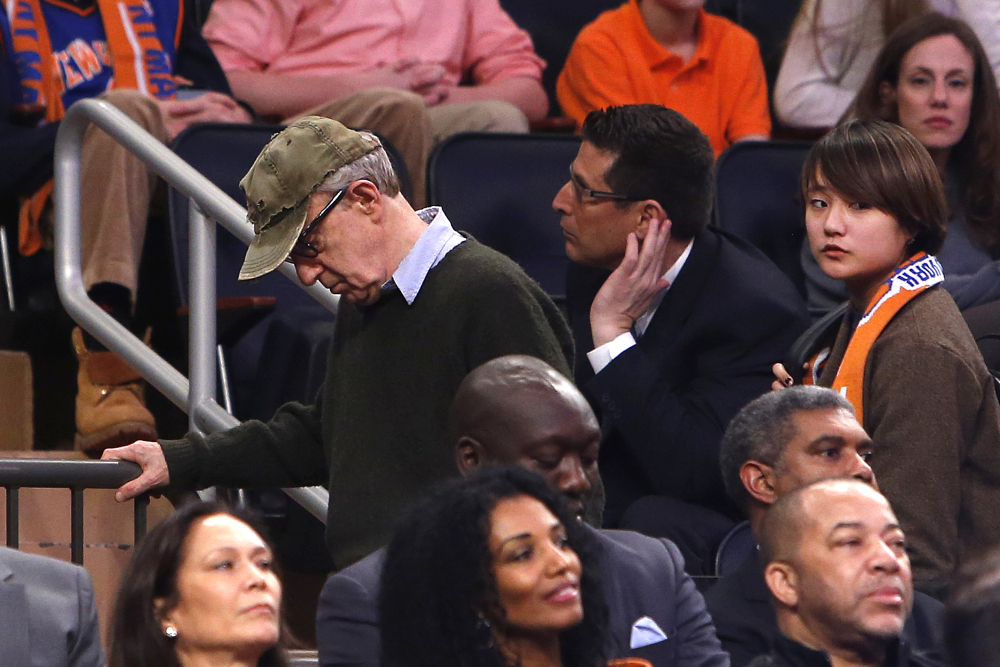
<point>839,577</point>
<point>518,409</point>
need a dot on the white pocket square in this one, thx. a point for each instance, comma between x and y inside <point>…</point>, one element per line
<point>645,631</point>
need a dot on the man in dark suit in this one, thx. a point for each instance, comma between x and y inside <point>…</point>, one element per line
<point>778,443</point>
<point>677,325</point>
<point>518,409</point>
<point>47,613</point>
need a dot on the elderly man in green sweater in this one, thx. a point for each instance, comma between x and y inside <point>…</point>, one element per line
<point>422,306</point>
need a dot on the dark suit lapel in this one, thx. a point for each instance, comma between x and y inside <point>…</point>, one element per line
<point>683,296</point>
<point>13,619</point>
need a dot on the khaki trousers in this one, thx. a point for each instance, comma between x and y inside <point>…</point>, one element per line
<point>116,188</point>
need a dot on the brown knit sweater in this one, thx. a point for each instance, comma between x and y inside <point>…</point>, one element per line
<point>931,409</point>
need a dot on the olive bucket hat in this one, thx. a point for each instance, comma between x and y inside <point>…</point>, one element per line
<point>278,186</point>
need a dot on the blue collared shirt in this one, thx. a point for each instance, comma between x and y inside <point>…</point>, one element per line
<point>436,241</point>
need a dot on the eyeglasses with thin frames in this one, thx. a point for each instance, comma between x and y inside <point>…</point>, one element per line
<point>581,191</point>
<point>303,248</point>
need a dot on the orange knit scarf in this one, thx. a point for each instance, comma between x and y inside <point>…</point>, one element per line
<point>918,273</point>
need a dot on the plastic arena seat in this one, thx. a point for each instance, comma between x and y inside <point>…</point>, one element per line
<point>499,188</point>
<point>757,199</point>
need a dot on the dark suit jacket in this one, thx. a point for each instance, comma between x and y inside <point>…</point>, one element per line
<point>664,403</point>
<point>642,576</point>
<point>740,604</point>
<point>47,613</point>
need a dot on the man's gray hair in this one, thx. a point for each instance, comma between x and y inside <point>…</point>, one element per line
<point>764,427</point>
<point>375,167</point>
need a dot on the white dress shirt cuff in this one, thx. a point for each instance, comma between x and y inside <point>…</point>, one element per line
<point>602,356</point>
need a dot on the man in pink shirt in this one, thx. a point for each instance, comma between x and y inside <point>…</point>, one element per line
<point>415,71</point>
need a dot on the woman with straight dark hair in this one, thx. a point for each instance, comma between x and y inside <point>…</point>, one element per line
<point>933,78</point>
<point>833,44</point>
<point>902,354</point>
<point>201,589</point>
<point>491,571</point>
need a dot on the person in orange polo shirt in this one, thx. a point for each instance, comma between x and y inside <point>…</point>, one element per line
<point>674,53</point>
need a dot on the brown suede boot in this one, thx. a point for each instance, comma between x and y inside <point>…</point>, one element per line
<point>110,405</point>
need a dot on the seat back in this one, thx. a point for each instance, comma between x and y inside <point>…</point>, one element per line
<point>734,549</point>
<point>499,188</point>
<point>757,199</point>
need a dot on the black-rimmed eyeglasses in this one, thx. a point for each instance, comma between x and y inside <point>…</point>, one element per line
<point>581,191</point>
<point>303,248</point>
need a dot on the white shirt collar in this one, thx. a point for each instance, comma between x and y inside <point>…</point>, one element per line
<point>434,243</point>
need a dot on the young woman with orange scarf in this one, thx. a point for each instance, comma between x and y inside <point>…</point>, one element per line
<point>902,354</point>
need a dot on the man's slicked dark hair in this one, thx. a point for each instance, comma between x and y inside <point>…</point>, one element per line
<point>438,588</point>
<point>660,155</point>
<point>764,427</point>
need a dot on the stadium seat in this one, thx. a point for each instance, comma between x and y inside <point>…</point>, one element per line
<point>734,549</point>
<point>499,188</point>
<point>757,199</point>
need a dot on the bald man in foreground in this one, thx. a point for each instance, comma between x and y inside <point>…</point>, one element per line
<point>518,409</point>
<point>839,577</point>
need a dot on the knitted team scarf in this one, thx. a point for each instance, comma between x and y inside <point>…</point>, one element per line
<point>138,60</point>
<point>918,273</point>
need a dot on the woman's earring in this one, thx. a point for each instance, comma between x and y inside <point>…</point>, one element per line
<point>483,621</point>
<point>170,631</point>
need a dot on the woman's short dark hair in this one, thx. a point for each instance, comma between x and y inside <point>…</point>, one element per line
<point>136,636</point>
<point>883,165</point>
<point>438,587</point>
<point>659,155</point>
<point>975,159</point>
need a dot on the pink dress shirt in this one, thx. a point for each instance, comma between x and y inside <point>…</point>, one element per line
<point>475,40</point>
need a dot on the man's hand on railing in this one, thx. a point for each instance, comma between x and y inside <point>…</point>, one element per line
<point>150,458</point>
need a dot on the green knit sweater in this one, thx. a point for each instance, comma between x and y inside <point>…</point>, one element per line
<point>377,433</point>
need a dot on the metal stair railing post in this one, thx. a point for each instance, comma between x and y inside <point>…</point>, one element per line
<point>76,476</point>
<point>197,396</point>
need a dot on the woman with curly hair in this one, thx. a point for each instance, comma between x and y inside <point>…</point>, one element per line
<point>933,78</point>
<point>201,589</point>
<point>491,571</point>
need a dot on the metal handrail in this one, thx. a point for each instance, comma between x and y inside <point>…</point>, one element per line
<point>75,475</point>
<point>197,396</point>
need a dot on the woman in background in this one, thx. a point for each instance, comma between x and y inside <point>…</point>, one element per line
<point>491,571</point>
<point>833,44</point>
<point>201,590</point>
